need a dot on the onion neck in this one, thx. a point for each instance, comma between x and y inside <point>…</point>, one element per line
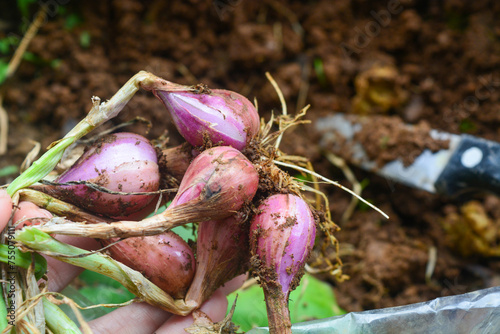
<point>278,314</point>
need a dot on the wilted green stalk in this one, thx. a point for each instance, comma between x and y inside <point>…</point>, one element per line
<point>23,260</point>
<point>57,321</point>
<point>40,168</point>
<point>135,282</point>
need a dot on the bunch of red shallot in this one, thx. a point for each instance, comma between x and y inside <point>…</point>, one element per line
<point>271,234</point>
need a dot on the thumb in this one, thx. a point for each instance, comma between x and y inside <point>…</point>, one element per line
<point>5,209</point>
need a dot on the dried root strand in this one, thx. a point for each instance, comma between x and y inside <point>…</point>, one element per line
<point>334,183</point>
<point>356,186</point>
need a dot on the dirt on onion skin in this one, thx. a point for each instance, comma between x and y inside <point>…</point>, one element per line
<point>266,273</point>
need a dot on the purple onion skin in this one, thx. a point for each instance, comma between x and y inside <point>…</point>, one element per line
<point>222,253</point>
<point>226,117</point>
<point>281,238</point>
<point>222,171</point>
<point>124,162</point>
<point>165,259</point>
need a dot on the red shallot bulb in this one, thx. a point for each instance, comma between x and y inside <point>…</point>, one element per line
<point>218,183</point>
<point>222,253</point>
<point>281,238</point>
<point>224,117</point>
<point>165,259</point>
<point>121,162</point>
<point>220,171</point>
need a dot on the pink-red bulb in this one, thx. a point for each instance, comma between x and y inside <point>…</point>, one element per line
<point>224,117</point>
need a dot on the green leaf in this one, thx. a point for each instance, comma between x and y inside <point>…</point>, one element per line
<point>8,170</point>
<point>160,210</point>
<point>302,178</point>
<point>4,45</point>
<point>364,183</point>
<point>41,167</point>
<point>103,294</point>
<point>91,288</point>
<point>85,39</point>
<point>3,71</point>
<point>320,71</point>
<point>99,289</point>
<point>250,308</point>
<point>8,43</point>
<point>72,20</point>
<point>55,63</point>
<point>186,232</point>
<point>467,126</point>
<point>57,321</point>
<point>62,10</point>
<point>313,299</point>
<point>31,57</point>
<point>13,256</point>
<point>92,278</point>
<point>23,6</point>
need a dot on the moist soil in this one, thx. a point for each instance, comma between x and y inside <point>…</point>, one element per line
<point>435,62</point>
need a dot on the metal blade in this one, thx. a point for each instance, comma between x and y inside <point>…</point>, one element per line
<point>338,133</point>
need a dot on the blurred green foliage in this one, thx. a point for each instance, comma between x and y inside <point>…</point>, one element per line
<point>320,72</point>
<point>85,39</point>
<point>303,178</point>
<point>9,170</point>
<point>72,20</point>
<point>92,289</point>
<point>467,126</point>
<point>313,299</point>
<point>100,289</point>
<point>24,6</point>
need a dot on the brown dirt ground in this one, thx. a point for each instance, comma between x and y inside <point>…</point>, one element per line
<point>435,61</point>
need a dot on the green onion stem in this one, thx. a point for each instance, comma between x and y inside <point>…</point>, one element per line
<point>134,281</point>
<point>3,311</point>
<point>20,259</point>
<point>57,321</point>
<point>40,168</point>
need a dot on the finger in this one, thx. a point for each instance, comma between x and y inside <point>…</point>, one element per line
<point>215,308</point>
<point>233,284</point>
<point>5,209</point>
<point>60,274</point>
<point>138,318</point>
<point>24,213</point>
<point>154,318</point>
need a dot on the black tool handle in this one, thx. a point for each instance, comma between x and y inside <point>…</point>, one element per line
<point>474,166</point>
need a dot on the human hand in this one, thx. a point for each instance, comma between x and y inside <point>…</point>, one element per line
<point>135,318</point>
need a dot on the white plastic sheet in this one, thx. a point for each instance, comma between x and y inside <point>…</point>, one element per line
<point>471,313</point>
